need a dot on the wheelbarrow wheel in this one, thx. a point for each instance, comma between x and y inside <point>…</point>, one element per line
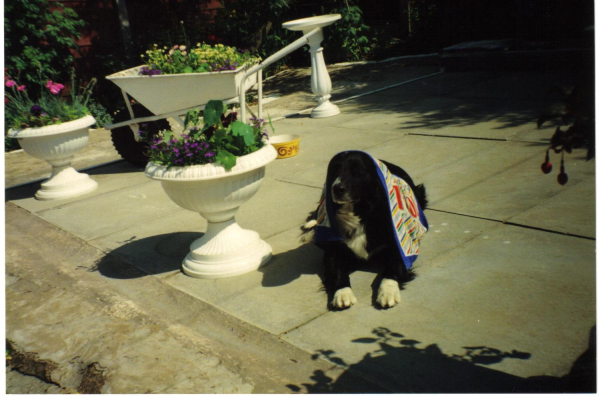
<point>123,138</point>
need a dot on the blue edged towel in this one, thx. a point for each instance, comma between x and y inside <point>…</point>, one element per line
<point>406,215</point>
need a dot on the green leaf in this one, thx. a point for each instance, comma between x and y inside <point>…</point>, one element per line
<point>191,117</point>
<point>210,118</point>
<point>241,129</point>
<point>217,106</point>
<point>167,135</point>
<point>271,125</point>
<point>232,148</point>
<point>219,135</point>
<point>188,69</point>
<point>226,158</point>
<point>203,68</point>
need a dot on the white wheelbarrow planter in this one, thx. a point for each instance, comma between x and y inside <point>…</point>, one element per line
<point>165,94</point>
<point>57,144</point>
<point>226,249</point>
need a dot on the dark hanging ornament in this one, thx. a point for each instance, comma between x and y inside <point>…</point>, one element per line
<point>562,177</point>
<point>547,166</point>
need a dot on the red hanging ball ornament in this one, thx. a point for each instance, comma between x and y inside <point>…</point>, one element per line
<point>547,166</point>
<point>562,177</point>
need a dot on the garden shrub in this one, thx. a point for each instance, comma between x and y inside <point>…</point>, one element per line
<point>35,35</point>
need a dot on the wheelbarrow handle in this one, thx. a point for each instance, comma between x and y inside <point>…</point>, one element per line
<point>302,41</point>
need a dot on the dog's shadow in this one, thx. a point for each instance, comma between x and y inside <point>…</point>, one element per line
<point>285,268</point>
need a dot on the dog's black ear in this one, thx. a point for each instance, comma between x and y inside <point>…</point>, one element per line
<point>421,196</point>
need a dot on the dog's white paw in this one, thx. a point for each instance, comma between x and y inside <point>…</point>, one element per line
<point>310,224</point>
<point>389,293</point>
<point>344,298</point>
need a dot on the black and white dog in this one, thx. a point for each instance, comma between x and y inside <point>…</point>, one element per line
<point>359,209</point>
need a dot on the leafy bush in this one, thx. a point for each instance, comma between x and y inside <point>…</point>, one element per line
<point>347,39</point>
<point>99,113</point>
<point>34,36</point>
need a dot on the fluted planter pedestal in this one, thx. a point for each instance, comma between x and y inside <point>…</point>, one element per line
<point>320,82</point>
<point>57,144</point>
<point>226,249</point>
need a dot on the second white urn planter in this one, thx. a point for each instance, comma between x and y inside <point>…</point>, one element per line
<point>226,249</point>
<point>57,144</point>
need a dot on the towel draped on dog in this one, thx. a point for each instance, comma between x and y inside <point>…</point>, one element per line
<point>405,215</point>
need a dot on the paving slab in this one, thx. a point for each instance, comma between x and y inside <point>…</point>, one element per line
<point>501,183</point>
<point>512,302</point>
<point>156,247</point>
<point>571,211</point>
<point>455,117</point>
<point>530,85</point>
<point>110,178</point>
<point>20,168</point>
<point>318,145</point>
<point>269,297</point>
<point>112,212</point>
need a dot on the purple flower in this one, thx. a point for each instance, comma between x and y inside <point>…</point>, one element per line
<point>36,110</point>
<point>209,154</point>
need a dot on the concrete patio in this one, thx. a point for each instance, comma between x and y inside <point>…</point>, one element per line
<point>504,301</point>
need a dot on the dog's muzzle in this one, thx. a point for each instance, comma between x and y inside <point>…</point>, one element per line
<point>339,193</point>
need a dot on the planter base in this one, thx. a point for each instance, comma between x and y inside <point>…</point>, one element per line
<point>226,250</point>
<point>66,183</point>
<point>325,109</point>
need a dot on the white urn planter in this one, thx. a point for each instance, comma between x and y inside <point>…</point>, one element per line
<point>226,249</point>
<point>57,144</point>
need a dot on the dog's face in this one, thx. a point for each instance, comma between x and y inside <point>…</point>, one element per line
<point>353,180</point>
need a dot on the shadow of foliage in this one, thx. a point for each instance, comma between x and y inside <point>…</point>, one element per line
<point>399,365</point>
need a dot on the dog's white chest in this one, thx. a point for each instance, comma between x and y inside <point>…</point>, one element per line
<point>352,231</point>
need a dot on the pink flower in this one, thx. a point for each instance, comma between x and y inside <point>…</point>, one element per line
<point>54,87</point>
<point>11,83</point>
<point>21,88</point>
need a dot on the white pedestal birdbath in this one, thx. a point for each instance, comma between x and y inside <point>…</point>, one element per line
<point>320,82</point>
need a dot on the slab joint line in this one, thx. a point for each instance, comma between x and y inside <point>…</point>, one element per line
<point>514,224</point>
<point>460,137</point>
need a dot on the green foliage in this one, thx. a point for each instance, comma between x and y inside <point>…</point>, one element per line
<point>202,58</point>
<point>213,138</point>
<point>99,112</point>
<point>347,39</point>
<point>34,35</point>
<point>255,25</point>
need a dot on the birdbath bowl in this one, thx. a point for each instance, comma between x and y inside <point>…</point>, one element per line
<point>320,82</point>
<point>308,24</point>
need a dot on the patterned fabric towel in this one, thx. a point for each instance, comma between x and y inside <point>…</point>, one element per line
<point>406,215</point>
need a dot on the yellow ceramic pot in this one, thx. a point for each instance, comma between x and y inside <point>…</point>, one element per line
<point>287,145</point>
